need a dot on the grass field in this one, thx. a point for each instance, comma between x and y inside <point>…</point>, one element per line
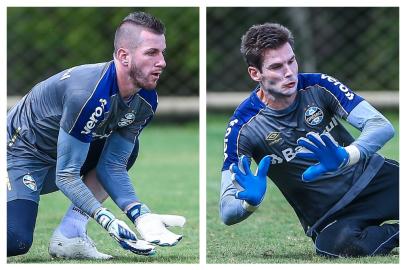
<point>165,177</point>
<point>273,233</point>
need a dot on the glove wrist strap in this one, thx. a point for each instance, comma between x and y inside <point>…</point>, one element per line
<point>249,207</point>
<point>353,154</point>
<point>104,217</point>
<point>136,210</point>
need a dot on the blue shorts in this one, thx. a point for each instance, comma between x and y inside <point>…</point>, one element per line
<point>30,177</point>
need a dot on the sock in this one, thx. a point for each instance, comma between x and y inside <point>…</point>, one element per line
<point>74,222</point>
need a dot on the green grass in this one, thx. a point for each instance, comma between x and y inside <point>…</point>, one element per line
<point>273,233</point>
<point>165,177</point>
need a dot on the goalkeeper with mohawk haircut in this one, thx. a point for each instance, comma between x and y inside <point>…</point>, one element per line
<point>78,132</point>
<point>340,188</point>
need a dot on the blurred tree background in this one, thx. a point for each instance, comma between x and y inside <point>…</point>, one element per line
<point>357,45</point>
<point>42,41</point>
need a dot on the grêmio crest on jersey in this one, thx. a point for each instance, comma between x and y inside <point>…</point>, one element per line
<point>313,116</point>
<point>127,119</point>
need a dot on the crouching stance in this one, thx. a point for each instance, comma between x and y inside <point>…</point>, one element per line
<point>78,132</point>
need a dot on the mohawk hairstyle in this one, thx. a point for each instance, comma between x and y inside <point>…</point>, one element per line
<point>138,18</point>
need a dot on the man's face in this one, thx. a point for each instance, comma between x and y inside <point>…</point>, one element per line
<point>278,76</point>
<point>147,59</point>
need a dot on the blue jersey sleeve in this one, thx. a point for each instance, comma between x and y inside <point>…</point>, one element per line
<point>84,109</point>
<point>235,142</point>
<point>151,97</point>
<point>339,97</point>
<point>73,115</point>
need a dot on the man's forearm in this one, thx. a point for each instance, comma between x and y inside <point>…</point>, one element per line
<point>231,209</point>
<point>69,161</point>
<point>376,129</point>
<point>112,173</point>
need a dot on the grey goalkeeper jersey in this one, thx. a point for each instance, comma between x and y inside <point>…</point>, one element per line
<point>83,101</point>
<point>58,119</point>
<point>256,130</point>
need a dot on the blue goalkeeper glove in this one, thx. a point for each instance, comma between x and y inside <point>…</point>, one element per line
<point>122,233</point>
<point>254,186</point>
<point>322,148</point>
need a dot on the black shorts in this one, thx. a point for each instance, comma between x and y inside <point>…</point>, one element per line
<point>361,228</point>
<point>95,150</point>
<point>379,201</point>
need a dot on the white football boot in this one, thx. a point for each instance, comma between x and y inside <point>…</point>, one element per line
<point>74,248</point>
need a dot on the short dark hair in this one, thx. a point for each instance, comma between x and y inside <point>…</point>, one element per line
<point>261,37</point>
<point>138,18</point>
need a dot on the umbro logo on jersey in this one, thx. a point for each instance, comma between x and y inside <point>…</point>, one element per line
<point>313,116</point>
<point>29,182</point>
<point>126,120</point>
<point>273,138</point>
<point>290,153</point>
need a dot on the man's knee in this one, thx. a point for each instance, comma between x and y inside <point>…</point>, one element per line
<point>340,241</point>
<point>228,215</point>
<point>21,217</point>
<point>226,218</point>
<point>19,242</point>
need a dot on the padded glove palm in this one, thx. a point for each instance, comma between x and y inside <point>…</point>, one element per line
<point>122,233</point>
<point>253,185</point>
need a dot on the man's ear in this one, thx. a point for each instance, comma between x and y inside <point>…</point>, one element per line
<point>123,56</point>
<point>255,74</point>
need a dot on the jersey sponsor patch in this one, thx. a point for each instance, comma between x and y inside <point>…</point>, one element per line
<point>95,117</point>
<point>29,182</point>
<point>127,119</point>
<point>313,116</point>
<point>228,131</point>
<point>290,153</point>
<point>348,94</point>
<point>342,94</point>
<point>96,108</point>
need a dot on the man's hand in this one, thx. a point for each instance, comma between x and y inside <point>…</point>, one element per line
<point>254,186</point>
<point>324,149</point>
<point>122,233</point>
<point>153,227</point>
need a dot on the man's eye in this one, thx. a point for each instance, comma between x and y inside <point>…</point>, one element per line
<point>150,53</point>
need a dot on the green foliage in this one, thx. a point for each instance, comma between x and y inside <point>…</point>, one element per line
<point>42,41</point>
<point>273,233</point>
<point>357,45</point>
<point>166,178</point>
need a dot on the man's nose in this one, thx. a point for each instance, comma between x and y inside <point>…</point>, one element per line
<point>288,71</point>
<point>161,62</point>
